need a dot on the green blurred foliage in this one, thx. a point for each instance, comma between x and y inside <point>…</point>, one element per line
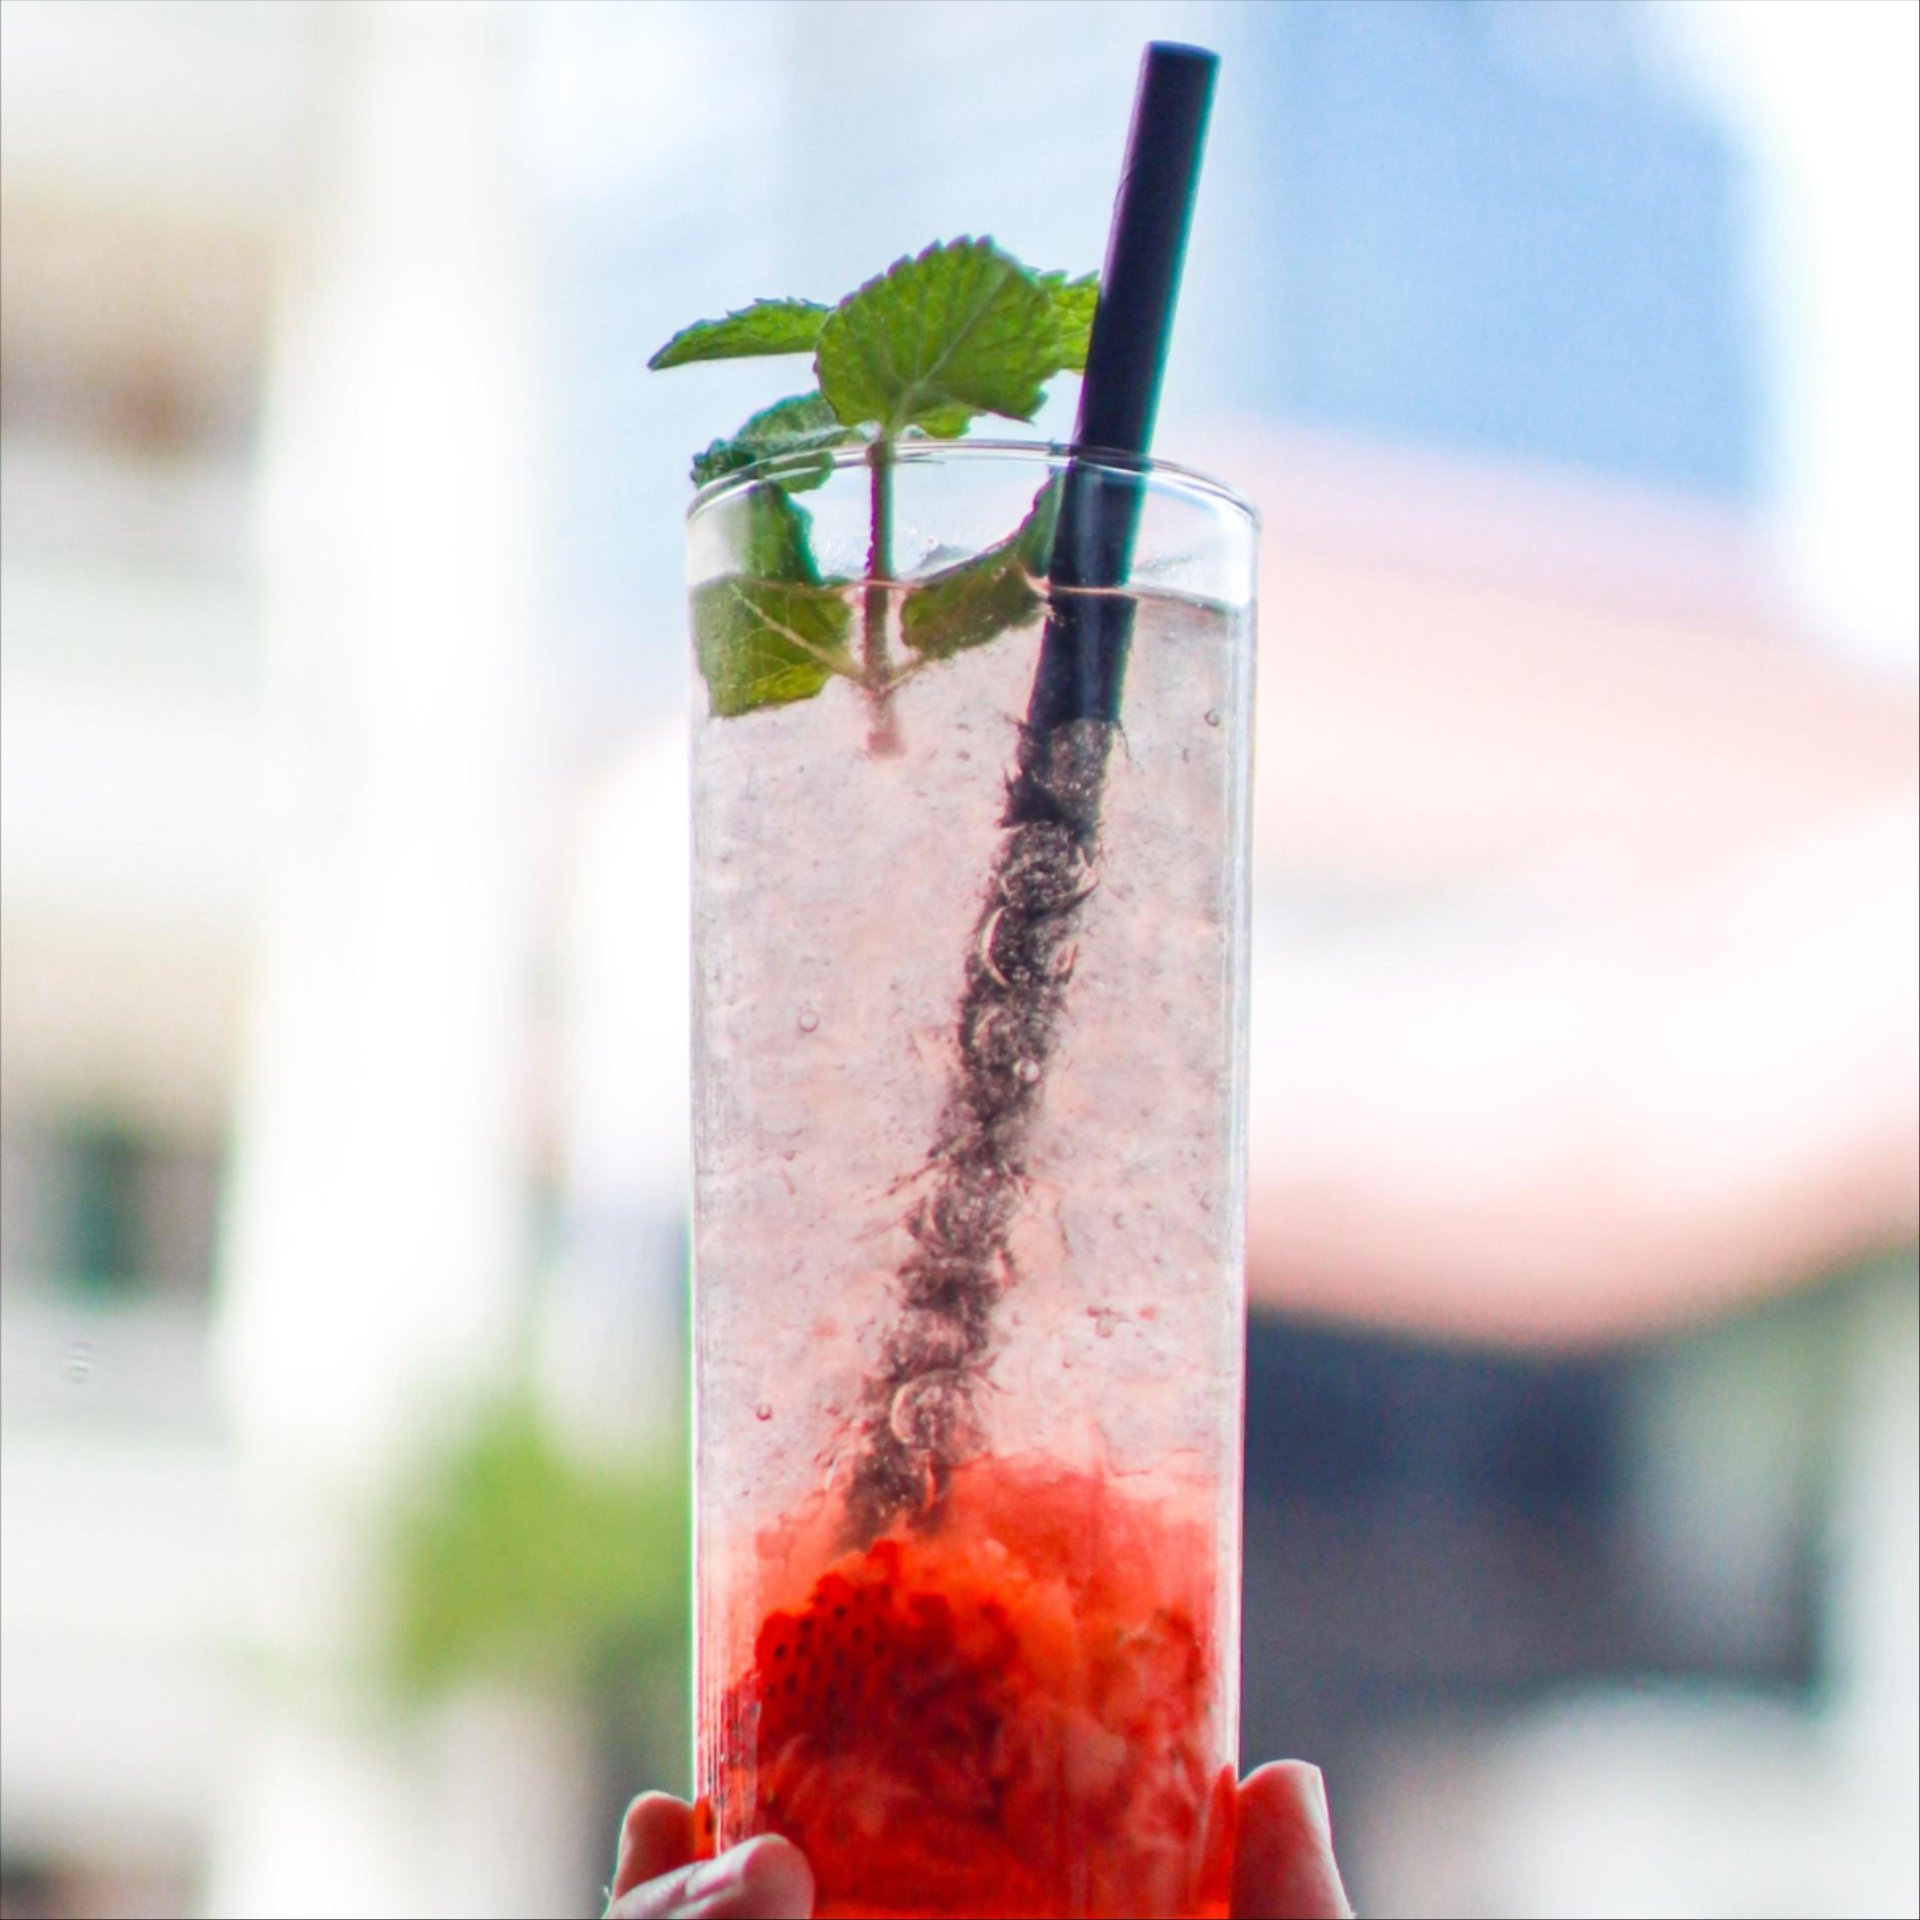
<point>515,1561</point>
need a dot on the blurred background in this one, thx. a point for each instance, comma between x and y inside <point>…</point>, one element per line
<point>1569,350</point>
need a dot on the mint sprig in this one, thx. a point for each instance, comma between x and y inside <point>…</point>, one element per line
<point>967,605</point>
<point>1073,302</point>
<point>941,338</point>
<point>776,632</point>
<point>961,329</point>
<point>803,424</point>
<point>768,326</point>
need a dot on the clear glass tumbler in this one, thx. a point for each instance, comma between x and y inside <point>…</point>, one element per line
<point>969,1053</point>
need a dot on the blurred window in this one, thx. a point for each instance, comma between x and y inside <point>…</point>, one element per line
<point>65,1889</point>
<point>27,1891</point>
<point>105,1208</point>
<point>135,335</point>
<point>1435,1533</point>
<point>132,358</point>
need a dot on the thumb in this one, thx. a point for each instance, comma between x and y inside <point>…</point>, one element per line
<point>767,1878</point>
<point>1283,1865</point>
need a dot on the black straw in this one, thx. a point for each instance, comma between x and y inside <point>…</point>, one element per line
<point>1083,652</point>
<point>921,1421</point>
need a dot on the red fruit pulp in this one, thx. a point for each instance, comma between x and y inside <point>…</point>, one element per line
<point>1019,1711</point>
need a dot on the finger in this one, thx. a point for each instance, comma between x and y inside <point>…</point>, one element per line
<point>656,1836</point>
<point>1283,1866</point>
<point>767,1878</point>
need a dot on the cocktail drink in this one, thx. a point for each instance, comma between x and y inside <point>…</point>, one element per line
<point>970,804</point>
<point>968,1052</point>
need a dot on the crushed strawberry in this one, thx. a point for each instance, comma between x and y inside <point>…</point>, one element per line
<point>1016,1713</point>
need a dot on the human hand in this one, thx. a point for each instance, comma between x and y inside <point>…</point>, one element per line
<point>658,1877</point>
<point>1283,1863</point>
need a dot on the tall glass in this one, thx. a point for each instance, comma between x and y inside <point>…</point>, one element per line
<point>969,1051</point>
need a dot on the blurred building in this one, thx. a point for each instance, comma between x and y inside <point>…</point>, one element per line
<point>1560,804</point>
<point>266,951</point>
<point>137,276</point>
<point>1518,1001</point>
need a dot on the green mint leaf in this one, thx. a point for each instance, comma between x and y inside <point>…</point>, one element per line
<point>765,643</point>
<point>803,424</point>
<point>778,632</point>
<point>768,326</point>
<point>980,599</point>
<point>1073,304</point>
<point>1033,537</point>
<point>779,539</point>
<point>961,326</point>
<point>945,423</point>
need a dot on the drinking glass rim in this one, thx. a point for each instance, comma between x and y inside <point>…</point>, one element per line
<point>1050,452</point>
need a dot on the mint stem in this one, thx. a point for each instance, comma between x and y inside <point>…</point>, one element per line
<point>875,659</point>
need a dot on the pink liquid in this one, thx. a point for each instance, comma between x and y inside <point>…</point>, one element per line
<point>1039,1716</point>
